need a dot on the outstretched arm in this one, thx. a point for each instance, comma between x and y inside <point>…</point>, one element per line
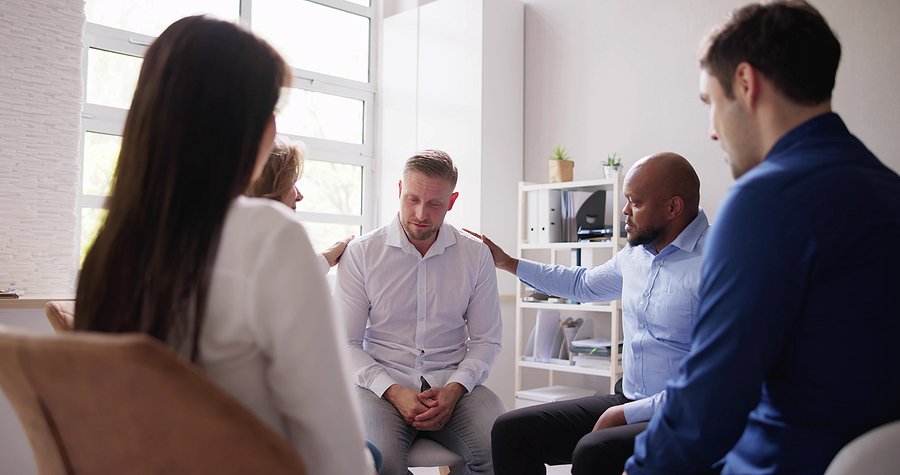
<point>333,253</point>
<point>502,260</point>
<point>598,284</point>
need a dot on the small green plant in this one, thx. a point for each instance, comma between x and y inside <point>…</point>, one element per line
<point>559,153</point>
<point>613,160</point>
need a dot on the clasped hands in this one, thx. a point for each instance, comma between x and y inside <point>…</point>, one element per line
<point>427,410</point>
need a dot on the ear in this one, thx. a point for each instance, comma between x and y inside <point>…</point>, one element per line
<point>676,207</point>
<point>400,184</point>
<point>453,200</point>
<point>745,85</point>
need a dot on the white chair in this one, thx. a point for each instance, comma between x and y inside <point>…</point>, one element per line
<point>873,453</point>
<point>428,453</point>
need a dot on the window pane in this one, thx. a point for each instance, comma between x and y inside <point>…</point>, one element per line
<point>315,37</point>
<point>323,235</point>
<point>322,116</point>
<point>100,154</point>
<point>330,188</point>
<point>111,78</point>
<point>91,219</point>
<point>151,17</point>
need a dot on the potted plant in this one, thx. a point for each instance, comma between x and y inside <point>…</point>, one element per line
<point>560,165</point>
<point>613,165</point>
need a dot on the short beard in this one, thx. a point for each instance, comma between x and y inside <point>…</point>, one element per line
<point>647,236</point>
<point>411,234</point>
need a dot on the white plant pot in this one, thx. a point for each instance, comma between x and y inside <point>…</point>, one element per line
<point>608,171</point>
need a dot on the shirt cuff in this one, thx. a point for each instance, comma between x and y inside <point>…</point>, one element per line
<point>638,411</point>
<point>527,270</point>
<point>381,384</point>
<point>462,378</point>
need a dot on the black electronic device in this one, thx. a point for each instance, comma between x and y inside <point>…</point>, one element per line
<point>591,216</point>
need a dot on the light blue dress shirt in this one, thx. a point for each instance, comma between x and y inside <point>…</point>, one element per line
<point>659,293</point>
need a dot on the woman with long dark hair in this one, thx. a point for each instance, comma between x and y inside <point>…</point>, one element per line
<point>227,281</point>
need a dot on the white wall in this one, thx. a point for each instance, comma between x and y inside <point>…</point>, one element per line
<point>618,76</point>
<point>40,96</point>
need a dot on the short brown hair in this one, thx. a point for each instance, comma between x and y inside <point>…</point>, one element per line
<point>787,40</point>
<point>284,168</point>
<point>432,163</point>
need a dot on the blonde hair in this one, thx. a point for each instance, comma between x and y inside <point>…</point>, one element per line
<point>283,169</point>
<point>434,164</point>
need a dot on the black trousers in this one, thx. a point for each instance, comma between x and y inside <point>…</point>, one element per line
<point>557,433</point>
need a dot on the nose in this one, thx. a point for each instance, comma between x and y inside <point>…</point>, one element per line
<point>299,195</point>
<point>712,133</point>
<point>627,209</point>
<point>421,212</point>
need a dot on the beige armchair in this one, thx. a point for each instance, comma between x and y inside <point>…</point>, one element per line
<point>125,404</point>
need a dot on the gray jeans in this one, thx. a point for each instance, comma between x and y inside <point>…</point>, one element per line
<point>468,432</point>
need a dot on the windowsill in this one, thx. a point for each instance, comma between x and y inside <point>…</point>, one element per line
<point>32,301</point>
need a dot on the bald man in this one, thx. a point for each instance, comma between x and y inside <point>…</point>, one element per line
<point>657,277</point>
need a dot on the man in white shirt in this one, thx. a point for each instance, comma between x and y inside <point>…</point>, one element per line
<point>422,311</point>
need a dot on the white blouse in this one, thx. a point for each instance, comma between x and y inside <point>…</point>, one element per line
<point>270,337</point>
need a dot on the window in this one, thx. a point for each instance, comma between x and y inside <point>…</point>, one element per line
<point>329,45</point>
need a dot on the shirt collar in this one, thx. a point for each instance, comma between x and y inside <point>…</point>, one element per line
<point>688,238</point>
<point>396,237</point>
<point>828,123</point>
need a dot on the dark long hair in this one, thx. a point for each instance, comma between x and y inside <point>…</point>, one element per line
<point>206,93</point>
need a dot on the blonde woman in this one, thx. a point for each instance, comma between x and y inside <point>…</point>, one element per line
<point>278,182</point>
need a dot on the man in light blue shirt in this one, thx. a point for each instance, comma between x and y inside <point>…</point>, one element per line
<point>657,277</point>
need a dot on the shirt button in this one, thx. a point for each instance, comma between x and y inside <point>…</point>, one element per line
<point>647,294</point>
<point>640,389</point>
<point>658,263</point>
<point>421,318</point>
<point>643,325</point>
<point>637,356</point>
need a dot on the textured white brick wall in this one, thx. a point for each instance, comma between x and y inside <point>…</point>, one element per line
<point>41,46</point>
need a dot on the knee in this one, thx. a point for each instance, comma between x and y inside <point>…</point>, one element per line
<point>393,464</point>
<point>507,427</point>
<point>595,454</point>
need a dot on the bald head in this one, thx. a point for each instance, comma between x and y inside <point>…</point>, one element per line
<point>663,196</point>
<point>667,174</point>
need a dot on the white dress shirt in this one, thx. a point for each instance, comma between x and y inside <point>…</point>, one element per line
<point>659,293</point>
<point>436,316</point>
<point>271,340</point>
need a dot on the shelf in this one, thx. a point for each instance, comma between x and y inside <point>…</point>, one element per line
<point>557,246</point>
<point>602,184</point>
<point>527,192</point>
<point>567,368</point>
<point>584,307</point>
<point>32,301</point>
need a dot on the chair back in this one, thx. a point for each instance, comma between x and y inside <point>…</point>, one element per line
<point>61,314</point>
<point>124,403</point>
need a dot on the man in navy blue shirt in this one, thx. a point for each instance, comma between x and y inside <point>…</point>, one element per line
<point>794,349</point>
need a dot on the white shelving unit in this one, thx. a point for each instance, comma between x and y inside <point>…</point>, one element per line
<point>613,187</point>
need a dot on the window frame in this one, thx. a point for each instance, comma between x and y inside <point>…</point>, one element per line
<point>107,120</point>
